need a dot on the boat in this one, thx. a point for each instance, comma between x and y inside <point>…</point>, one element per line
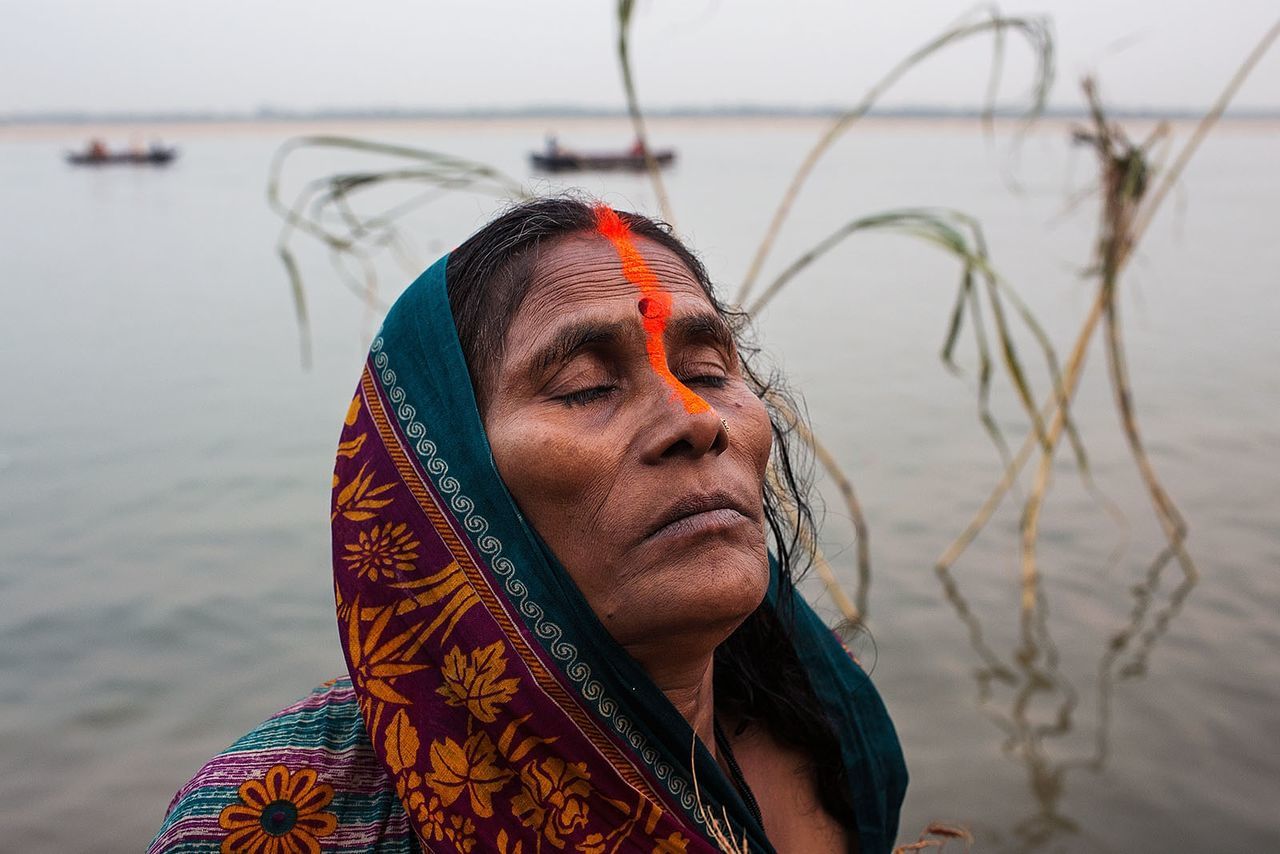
<point>567,161</point>
<point>557,159</point>
<point>98,155</point>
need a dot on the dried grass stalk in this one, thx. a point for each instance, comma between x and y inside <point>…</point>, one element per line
<point>626,8</point>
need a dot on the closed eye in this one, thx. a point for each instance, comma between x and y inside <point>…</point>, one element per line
<point>708,380</point>
<point>586,395</point>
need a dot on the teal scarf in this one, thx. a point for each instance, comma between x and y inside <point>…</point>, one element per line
<point>495,699</point>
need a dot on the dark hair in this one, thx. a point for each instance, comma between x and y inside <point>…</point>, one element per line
<point>758,677</point>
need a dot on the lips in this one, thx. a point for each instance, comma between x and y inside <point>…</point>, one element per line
<point>697,511</point>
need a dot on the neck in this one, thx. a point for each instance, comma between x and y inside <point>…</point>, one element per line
<point>686,680</point>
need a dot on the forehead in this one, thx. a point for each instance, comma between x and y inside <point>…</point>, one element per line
<point>583,274</point>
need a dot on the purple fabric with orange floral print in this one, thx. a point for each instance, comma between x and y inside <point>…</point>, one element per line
<point>490,741</point>
<point>474,725</point>
<point>487,708</point>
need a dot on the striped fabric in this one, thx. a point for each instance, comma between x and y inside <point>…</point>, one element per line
<point>332,794</point>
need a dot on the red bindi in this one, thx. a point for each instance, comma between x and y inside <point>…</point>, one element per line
<point>654,304</point>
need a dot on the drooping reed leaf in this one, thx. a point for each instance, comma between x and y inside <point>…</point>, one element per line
<point>323,209</point>
<point>961,236</point>
<point>1034,30</point>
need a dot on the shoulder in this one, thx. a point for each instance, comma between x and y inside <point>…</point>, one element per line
<point>307,776</point>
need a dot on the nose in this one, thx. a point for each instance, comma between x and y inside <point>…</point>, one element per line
<point>674,432</point>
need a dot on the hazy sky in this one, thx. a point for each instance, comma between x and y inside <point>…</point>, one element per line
<point>144,55</point>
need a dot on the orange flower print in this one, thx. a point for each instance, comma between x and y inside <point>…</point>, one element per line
<point>461,831</point>
<point>506,846</point>
<point>382,550</point>
<point>401,742</point>
<point>595,843</point>
<point>431,814</point>
<point>409,790</point>
<point>376,662</point>
<point>358,499</point>
<point>351,447</point>
<point>470,768</point>
<point>475,680</point>
<point>673,844</point>
<point>550,799</point>
<point>434,823</point>
<point>279,814</point>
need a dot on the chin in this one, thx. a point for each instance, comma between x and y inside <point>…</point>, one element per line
<point>714,589</point>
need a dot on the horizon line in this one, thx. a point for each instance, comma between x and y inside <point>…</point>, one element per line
<point>569,111</point>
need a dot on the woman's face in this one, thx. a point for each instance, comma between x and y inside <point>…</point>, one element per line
<point>656,512</point>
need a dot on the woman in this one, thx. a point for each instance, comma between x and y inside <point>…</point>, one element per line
<point>563,627</point>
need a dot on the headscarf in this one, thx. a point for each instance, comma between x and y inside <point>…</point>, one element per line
<point>503,712</point>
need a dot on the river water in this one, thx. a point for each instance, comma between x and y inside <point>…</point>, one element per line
<point>164,466</point>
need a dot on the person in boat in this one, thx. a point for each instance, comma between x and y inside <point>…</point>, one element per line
<point>637,147</point>
<point>553,146</point>
<point>97,149</point>
<point>565,587</point>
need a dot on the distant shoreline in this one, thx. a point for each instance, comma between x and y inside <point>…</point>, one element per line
<point>562,113</point>
<point>74,134</point>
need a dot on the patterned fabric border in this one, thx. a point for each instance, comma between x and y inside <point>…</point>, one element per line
<point>491,547</point>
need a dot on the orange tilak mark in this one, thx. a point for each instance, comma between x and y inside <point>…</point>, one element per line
<point>654,305</point>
